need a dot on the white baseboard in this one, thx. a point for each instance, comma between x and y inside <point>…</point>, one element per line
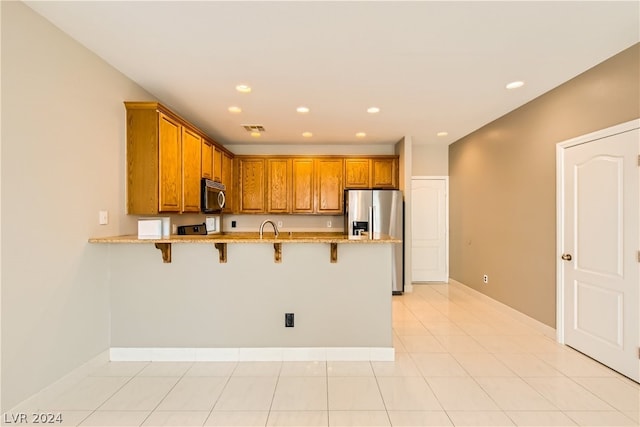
<point>378,354</point>
<point>542,328</point>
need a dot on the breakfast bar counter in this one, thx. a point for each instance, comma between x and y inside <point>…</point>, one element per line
<point>244,237</point>
<point>226,296</point>
<point>221,240</point>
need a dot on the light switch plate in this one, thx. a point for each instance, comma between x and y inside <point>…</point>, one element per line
<point>103,217</point>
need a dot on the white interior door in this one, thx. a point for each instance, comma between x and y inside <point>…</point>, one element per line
<point>600,242</point>
<point>429,222</point>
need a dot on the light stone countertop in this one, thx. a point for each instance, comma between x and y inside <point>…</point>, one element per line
<point>244,237</point>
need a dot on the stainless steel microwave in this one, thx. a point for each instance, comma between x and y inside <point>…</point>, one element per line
<point>212,198</point>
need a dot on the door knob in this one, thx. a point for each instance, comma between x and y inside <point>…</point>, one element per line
<point>566,257</point>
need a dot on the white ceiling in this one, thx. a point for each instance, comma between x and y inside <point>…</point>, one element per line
<point>429,66</point>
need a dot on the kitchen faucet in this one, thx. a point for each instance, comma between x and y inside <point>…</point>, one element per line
<point>268,221</point>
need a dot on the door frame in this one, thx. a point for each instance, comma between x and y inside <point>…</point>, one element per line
<point>560,198</point>
<point>446,214</point>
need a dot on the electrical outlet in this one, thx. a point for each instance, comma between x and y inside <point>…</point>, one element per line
<point>280,224</point>
<point>288,320</point>
<point>233,224</point>
<point>328,224</point>
<point>485,279</point>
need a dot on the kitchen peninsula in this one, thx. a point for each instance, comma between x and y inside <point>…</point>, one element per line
<point>226,296</point>
<point>206,306</point>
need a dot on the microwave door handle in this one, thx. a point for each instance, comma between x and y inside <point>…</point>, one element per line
<point>221,199</point>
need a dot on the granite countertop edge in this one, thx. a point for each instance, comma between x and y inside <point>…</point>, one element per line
<point>301,237</point>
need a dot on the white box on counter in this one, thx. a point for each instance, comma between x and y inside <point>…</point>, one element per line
<point>154,228</point>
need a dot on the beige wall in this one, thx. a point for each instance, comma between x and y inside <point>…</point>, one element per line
<point>62,161</point>
<point>502,184</point>
<point>430,160</point>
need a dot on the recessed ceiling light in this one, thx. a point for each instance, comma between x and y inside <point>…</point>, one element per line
<point>515,85</point>
<point>373,110</point>
<point>307,134</point>
<point>360,135</point>
<point>302,110</point>
<point>442,133</point>
<point>255,134</point>
<point>235,110</point>
<point>243,88</point>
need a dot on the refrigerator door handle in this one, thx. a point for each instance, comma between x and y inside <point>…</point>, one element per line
<point>371,222</point>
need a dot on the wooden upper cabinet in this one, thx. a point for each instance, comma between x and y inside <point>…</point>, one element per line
<point>307,185</point>
<point>384,172</point>
<point>227,180</point>
<point>251,185</point>
<point>356,173</point>
<point>279,185</point>
<point>217,164</point>
<point>170,165</point>
<point>303,189</point>
<point>207,159</point>
<point>329,186</point>
<point>191,170</point>
<point>166,158</point>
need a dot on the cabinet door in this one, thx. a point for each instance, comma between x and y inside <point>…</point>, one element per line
<point>170,176</point>
<point>302,190</point>
<point>384,173</point>
<point>227,180</point>
<point>329,186</point>
<point>191,165</point>
<point>207,159</point>
<point>278,185</point>
<point>217,164</point>
<point>252,174</point>
<point>356,173</point>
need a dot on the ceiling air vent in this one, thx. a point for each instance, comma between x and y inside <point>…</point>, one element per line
<point>253,128</point>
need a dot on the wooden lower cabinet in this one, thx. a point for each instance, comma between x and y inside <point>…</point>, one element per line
<point>303,191</point>
<point>251,189</point>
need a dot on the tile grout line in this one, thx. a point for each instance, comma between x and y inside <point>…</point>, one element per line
<point>165,396</point>
<point>326,376</point>
<point>273,396</point>
<point>428,385</point>
<point>111,395</point>
<point>220,395</point>
<point>386,410</point>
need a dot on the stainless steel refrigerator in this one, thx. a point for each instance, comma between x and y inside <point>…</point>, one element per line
<point>376,212</point>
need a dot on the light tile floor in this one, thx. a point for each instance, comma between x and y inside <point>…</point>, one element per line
<point>460,360</point>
